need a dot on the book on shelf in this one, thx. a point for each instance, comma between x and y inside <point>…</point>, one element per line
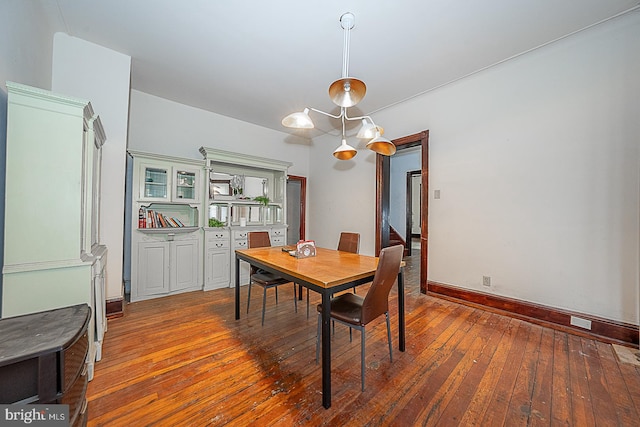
<point>154,219</point>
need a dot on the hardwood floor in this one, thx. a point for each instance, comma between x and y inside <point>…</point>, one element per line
<point>184,361</point>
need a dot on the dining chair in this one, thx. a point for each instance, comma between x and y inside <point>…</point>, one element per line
<point>348,242</point>
<point>356,312</point>
<point>266,279</point>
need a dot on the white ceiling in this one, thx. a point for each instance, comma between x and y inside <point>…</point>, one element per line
<point>258,61</point>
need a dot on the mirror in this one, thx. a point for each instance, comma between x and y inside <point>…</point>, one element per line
<point>219,187</point>
<point>224,186</point>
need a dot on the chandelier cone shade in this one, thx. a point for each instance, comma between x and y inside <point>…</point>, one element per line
<point>299,120</point>
<point>345,93</point>
<point>368,130</point>
<point>344,151</point>
<point>381,145</point>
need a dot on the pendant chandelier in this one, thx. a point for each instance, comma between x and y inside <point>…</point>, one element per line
<point>346,92</point>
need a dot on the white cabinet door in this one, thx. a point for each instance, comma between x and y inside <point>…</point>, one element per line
<point>153,268</point>
<point>217,269</point>
<point>184,264</point>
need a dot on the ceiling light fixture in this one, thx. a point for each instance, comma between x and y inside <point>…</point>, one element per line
<point>346,92</point>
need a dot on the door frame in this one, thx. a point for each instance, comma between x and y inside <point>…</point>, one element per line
<point>383,165</point>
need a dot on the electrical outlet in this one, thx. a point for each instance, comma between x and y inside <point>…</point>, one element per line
<point>580,322</point>
<point>486,281</point>
<point>436,194</point>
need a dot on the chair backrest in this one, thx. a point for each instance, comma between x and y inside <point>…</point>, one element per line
<point>376,302</point>
<point>349,242</point>
<point>258,239</point>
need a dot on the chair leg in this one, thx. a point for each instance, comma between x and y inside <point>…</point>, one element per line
<point>307,303</point>
<point>362,356</point>
<point>249,297</point>
<point>389,336</point>
<point>264,302</point>
<point>276,288</point>
<point>295,297</point>
<point>318,338</point>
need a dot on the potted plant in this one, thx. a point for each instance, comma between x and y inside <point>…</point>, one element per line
<point>216,223</point>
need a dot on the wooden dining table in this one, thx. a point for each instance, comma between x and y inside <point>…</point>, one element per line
<point>326,273</point>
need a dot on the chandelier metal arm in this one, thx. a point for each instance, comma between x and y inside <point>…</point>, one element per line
<point>328,114</point>
<point>358,118</point>
<point>343,113</point>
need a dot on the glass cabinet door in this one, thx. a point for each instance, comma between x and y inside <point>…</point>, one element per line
<point>186,187</point>
<point>155,183</point>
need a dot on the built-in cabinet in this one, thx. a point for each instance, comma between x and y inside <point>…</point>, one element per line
<point>235,181</point>
<point>189,216</point>
<point>53,253</point>
<point>167,236</point>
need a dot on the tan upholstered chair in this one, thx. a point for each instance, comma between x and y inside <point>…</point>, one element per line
<point>260,239</point>
<point>356,312</point>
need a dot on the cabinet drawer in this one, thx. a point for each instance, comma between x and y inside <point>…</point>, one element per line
<point>240,234</point>
<point>277,241</point>
<point>72,362</point>
<point>218,244</point>
<point>277,233</point>
<point>240,244</point>
<point>218,235</point>
<point>75,397</point>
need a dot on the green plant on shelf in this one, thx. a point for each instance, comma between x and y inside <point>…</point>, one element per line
<point>216,223</point>
<point>264,200</point>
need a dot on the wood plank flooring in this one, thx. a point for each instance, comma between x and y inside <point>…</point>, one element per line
<point>184,361</point>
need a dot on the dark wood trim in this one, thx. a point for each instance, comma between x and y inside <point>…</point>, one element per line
<point>115,308</point>
<point>420,139</point>
<point>601,329</point>
<point>303,202</point>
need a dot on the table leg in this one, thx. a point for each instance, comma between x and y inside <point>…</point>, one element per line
<point>237,288</point>
<point>326,349</point>
<point>401,325</point>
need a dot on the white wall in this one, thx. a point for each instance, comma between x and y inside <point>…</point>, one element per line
<point>158,125</point>
<point>102,76</point>
<point>26,58</point>
<point>26,39</point>
<point>537,163</point>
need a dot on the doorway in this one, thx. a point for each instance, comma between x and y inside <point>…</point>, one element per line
<point>296,207</point>
<point>383,173</point>
<point>413,210</point>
